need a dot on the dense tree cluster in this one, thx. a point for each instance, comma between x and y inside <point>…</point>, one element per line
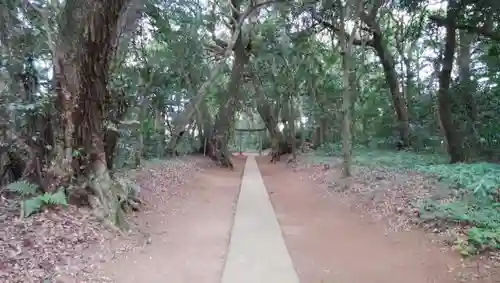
<point>89,86</point>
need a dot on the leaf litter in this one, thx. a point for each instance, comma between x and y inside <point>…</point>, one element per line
<point>68,244</point>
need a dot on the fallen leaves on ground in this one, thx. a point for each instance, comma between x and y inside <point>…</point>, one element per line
<point>64,245</point>
<point>32,249</point>
<point>163,180</point>
<point>382,193</point>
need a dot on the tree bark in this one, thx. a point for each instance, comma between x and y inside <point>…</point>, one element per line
<point>66,77</point>
<point>452,136</point>
<point>85,90</point>
<point>279,144</point>
<point>160,129</point>
<point>346,44</point>
<point>186,117</point>
<point>292,129</point>
<point>143,109</point>
<point>388,64</point>
<point>389,67</point>
<point>183,119</point>
<point>205,121</point>
<point>220,137</point>
<point>346,110</point>
<point>466,90</point>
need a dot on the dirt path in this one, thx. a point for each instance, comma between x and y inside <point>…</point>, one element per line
<point>328,242</point>
<point>189,234</point>
<point>293,229</point>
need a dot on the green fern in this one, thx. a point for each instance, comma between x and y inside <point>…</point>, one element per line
<point>57,198</point>
<point>24,188</point>
<point>35,204</point>
<point>31,206</point>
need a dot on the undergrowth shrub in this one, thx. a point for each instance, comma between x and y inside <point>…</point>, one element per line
<point>365,156</point>
<point>33,201</point>
<point>476,206</point>
<point>474,190</point>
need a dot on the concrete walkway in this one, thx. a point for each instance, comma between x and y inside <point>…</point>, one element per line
<point>257,251</point>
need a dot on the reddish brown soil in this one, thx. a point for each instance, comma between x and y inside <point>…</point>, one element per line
<point>189,232</point>
<point>329,242</point>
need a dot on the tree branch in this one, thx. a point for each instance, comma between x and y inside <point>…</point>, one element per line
<point>242,18</point>
<point>306,32</point>
<point>376,6</point>
<point>484,30</point>
<point>44,15</point>
<point>337,30</point>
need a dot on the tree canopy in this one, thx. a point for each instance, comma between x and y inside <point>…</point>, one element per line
<point>89,87</point>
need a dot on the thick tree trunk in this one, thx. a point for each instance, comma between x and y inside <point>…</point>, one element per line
<point>279,144</point>
<point>453,138</point>
<point>220,138</point>
<point>220,135</point>
<point>205,122</point>
<point>270,121</point>
<point>67,82</point>
<point>117,109</point>
<point>388,64</point>
<point>66,78</point>
<point>346,110</point>
<point>466,91</point>
<point>111,137</point>
<point>346,44</point>
<point>398,100</point>
<point>84,91</point>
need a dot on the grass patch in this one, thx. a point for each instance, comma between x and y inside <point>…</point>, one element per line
<point>475,188</point>
<point>363,156</point>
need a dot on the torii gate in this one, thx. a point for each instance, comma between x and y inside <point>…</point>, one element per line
<point>241,131</point>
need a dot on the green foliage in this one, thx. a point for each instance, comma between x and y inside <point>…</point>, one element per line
<point>33,203</point>
<point>481,179</point>
<point>397,159</point>
<point>188,145</point>
<point>23,188</point>
<point>476,205</point>
<point>365,156</point>
<point>330,149</point>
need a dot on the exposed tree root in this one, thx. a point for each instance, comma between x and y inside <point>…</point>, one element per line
<point>281,149</point>
<point>219,152</point>
<point>110,198</point>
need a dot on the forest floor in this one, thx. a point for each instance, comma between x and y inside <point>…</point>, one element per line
<point>181,233</point>
<point>365,234</point>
